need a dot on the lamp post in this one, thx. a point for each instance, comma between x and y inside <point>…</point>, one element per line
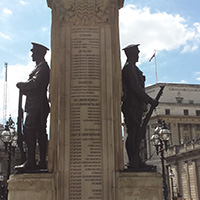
<point>160,139</point>
<point>9,138</point>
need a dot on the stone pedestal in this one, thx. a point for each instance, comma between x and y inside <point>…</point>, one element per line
<point>139,186</point>
<point>31,187</point>
<point>130,186</point>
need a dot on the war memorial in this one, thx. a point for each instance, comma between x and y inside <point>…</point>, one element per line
<point>86,152</point>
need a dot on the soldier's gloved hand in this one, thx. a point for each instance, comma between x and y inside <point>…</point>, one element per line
<point>154,102</point>
<point>20,85</point>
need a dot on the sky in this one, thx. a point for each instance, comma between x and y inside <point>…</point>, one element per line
<point>171,28</point>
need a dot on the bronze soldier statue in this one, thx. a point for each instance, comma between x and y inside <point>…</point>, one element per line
<point>37,110</point>
<point>133,105</point>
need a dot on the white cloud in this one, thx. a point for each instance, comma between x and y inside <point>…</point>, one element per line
<point>5,36</point>
<point>197,74</point>
<point>23,2</point>
<point>44,29</point>
<point>16,73</point>
<point>156,31</point>
<point>7,11</point>
<point>48,57</point>
<point>183,81</point>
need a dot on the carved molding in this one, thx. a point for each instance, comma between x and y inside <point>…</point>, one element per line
<point>82,12</point>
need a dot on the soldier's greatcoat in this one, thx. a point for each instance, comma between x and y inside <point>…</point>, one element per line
<point>134,93</point>
<point>133,103</point>
<point>35,90</point>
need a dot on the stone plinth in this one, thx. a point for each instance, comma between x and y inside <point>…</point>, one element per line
<point>31,187</point>
<point>139,186</point>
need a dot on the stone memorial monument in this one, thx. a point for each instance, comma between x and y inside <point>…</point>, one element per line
<point>85,159</point>
<point>85,143</point>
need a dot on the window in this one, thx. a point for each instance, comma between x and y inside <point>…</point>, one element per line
<point>197,128</point>
<point>185,127</point>
<point>167,111</point>
<point>185,112</point>
<point>179,99</point>
<point>197,112</point>
<point>191,102</point>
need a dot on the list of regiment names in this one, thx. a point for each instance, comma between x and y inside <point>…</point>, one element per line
<point>85,116</point>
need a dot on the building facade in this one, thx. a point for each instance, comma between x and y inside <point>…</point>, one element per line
<point>179,107</point>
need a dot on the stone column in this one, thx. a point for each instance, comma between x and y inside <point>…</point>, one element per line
<point>85,150</point>
<point>187,179</point>
<point>196,183</point>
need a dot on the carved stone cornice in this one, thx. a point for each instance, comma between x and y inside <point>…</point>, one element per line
<point>82,12</point>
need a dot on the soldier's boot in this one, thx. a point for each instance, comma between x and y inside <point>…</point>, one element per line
<point>42,140</point>
<point>31,145</point>
<point>29,164</point>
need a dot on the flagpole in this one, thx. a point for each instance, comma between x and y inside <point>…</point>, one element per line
<point>154,56</point>
<point>156,68</point>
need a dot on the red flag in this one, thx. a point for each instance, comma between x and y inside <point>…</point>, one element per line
<point>152,56</point>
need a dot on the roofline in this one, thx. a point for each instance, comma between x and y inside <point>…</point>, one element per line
<point>172,84</point>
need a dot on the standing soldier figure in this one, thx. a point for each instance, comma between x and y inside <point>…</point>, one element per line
<point>37,109</point>
<point>133,105</point>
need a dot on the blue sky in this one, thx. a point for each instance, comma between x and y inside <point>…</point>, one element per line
<point>171,27</point>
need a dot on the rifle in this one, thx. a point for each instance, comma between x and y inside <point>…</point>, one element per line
<point>148,115</point>
<point>20,140</point>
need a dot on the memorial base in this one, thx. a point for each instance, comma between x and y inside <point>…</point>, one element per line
<point>31,187</point>
<point>139,186</point>
<point>131,186</point>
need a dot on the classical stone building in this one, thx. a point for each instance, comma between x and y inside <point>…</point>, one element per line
<point>180,108</point>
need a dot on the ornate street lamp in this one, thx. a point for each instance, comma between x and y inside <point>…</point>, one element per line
<point>9,139</point>
<point>160,140</point>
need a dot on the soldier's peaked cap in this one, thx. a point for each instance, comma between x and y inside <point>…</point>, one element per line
<point>132,46</point>
<point>39,46</point>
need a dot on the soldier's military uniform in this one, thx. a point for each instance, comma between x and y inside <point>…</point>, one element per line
<point>37,110</point>
<point>133,104</point>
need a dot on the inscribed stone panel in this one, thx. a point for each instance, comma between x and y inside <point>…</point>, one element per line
<point>85,115</point>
